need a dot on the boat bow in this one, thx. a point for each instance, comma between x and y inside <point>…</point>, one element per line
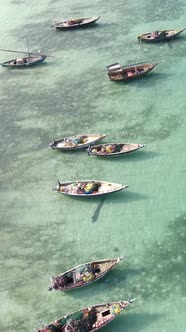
<point>124,304</point>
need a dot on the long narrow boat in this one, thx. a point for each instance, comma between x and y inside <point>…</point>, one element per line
<point>160,35</point>
<point>75,23</point>
<point>75,142</point>
<point>88,319</point>
<point>83,274</point>
<point>113,149</point>
<point>125,73</point>
<point>88,188</point>
<point>26,61</point>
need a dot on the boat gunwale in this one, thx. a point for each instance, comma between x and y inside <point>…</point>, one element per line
<point>106,304</point>
<point>112,154</point>
<point>60,25</point>
<point>175,32</point>
<point>120,187</point>
<point>80,146</point>
<point>122,74</point>
<point>114,260</point>
<point>39,59</point>
<point>133,65</point>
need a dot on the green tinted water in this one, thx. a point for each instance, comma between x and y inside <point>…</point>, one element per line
<point>44,232</point>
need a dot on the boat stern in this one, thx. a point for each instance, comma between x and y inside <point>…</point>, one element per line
<point>57,187</point>
<point>52,144</point>
<point>89,150</point>
<point>139,37</point>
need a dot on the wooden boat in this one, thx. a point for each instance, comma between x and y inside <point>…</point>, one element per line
<point>88,188</point>
<point>75,142</point>
<point>88,319</point>
<point>29,60</point>
<point>83,274</point>
<point>75,23</point>
<point>24,62</point>
<point>160,35</point>
<point>118,73</point>
<point>113,149</point>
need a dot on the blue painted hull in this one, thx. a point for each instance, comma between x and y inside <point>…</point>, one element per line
<point>27,62</point>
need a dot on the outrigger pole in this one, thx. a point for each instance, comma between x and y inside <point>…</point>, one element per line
<point>1,49</point>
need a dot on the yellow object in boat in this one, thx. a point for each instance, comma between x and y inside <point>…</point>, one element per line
<point>116,309</point>
<point>87,278</point>
<point>109,148</point>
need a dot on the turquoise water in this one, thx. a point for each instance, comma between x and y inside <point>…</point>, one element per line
<point>43,232</point>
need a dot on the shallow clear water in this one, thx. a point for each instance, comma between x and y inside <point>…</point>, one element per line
<point>70,93</point>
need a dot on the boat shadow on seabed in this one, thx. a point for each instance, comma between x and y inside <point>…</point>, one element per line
<point>132,196</point>
<point>134,322</point>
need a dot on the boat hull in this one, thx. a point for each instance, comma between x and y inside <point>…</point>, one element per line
<point>84,24</point>
<point>12,64</point>
<point>88,319</point>
<point>83,275</point>
<point>66,144</point>
<point>101,149</point>
<point>130,72</point>
<point>80,188</point>
<point>153,37</point>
